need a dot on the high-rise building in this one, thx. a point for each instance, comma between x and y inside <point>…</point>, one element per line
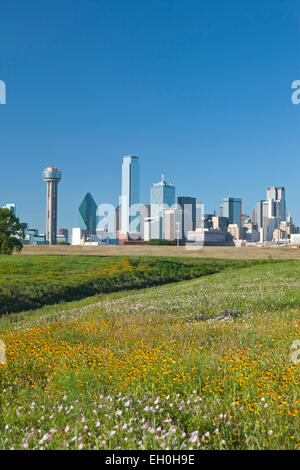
<point>88,214</point>
<point>144,213</point>
<point>152,228</point>
<point>199,215</point>
<point>52,177</point>
<point>232,209</point>
<point>187,206</point>
<point>270,213</point>
<point>162,197</point>
<point>277,196</point>
<point>169,224</point>
<point>130,195</point>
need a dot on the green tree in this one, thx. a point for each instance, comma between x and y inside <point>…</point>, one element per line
<point>11,232</point>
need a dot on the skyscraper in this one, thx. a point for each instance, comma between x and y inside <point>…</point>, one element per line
<point>130,194</point>
<point>87,213</point>
<point>187,215</point>
<point>232,209</point>
<point>277,195</point>
<point>162,197</point>
<point>52,177</point>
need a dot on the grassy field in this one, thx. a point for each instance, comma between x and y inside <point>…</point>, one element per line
<point>201,364</point>
<point>282,252</point>
<point>28,282</point>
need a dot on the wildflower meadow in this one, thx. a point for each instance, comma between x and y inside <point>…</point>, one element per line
<point>204,363</point>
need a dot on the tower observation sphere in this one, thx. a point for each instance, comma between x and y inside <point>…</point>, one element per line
<point>52,177</point>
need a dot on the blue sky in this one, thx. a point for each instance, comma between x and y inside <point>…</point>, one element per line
<point>198,89</point>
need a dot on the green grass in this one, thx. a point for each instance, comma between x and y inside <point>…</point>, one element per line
<point>200,364</point>
<point>28,282</point>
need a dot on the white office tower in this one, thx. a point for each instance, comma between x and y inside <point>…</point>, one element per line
<point>152,228</point>
<point>130,197</point>
<point>169,224</point>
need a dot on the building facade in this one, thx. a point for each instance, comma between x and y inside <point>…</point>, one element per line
<point>232,209</point>
<point>152,228</point>
<point>187,214</point>
<point>130,196</point>
<point>162,197</point>
<point>87,217</point>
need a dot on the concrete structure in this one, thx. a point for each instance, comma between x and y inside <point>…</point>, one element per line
<point>288,227</point>
<point>279,234</point>
<point>169,224</point>
<point>52,177</point>
<point>130,196</point>
<point>234,230</point>
<point>76,236</point>
<point>152,228</point>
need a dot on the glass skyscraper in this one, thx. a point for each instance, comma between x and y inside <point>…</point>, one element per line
<point>187,214</point>
<point>162,196</point>
<point>232,209</point>
<point>130,194</point>
<point>88,214</point>
<point>278,196</point>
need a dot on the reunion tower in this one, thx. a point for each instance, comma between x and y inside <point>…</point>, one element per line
<point>52,177</point>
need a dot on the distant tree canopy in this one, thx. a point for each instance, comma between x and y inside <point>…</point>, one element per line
<point>11,232</point>
<point>159,241</point>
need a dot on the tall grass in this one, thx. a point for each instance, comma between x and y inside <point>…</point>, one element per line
<point>30,282</point>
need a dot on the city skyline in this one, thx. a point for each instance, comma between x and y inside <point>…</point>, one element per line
<point>134,222</point>
<point>199,91</point>
<point>89,218</point>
